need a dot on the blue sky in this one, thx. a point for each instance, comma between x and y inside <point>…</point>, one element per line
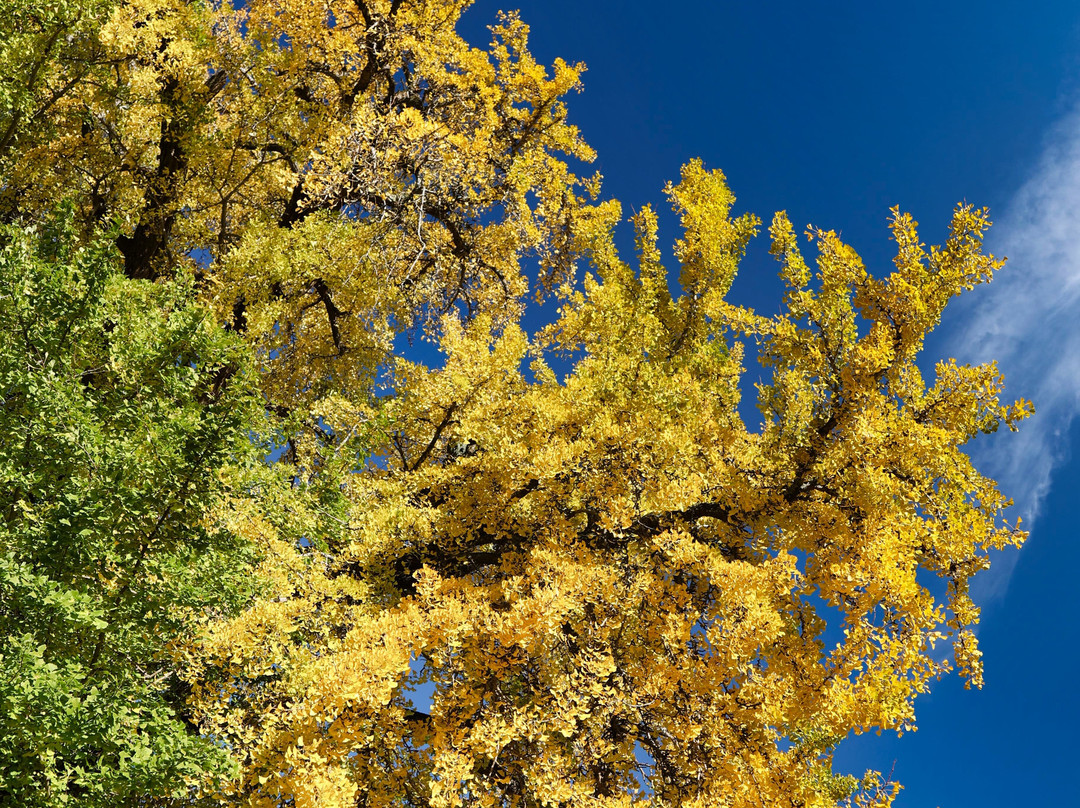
<point>836,111</point>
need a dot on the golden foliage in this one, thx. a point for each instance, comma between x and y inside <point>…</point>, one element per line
<point>615,590</point>
<point>613,563</point>
<point>338,171</point>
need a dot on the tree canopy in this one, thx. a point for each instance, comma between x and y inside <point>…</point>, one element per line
<point>122,400</point>
<point>246,524</point>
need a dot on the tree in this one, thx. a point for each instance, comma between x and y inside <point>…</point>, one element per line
<point>123,401</point>
<point>614,563</point>
<point>615,590</point>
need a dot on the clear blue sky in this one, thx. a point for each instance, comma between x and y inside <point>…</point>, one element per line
<point>835,112</point>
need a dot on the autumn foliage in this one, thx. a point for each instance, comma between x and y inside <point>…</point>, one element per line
<point>549,566</point>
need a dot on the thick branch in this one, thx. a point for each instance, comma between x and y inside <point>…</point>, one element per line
<point>145,249</point>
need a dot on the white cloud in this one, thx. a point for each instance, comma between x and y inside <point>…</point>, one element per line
<point>1029,320</point>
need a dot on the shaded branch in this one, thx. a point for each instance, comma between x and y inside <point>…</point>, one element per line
<point>332,312</point>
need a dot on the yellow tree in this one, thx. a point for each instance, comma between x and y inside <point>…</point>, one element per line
<point>336,171</point>
<point>612,564</point>
<point>616,590</point>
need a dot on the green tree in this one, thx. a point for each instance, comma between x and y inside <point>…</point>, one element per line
<point>122,401</point>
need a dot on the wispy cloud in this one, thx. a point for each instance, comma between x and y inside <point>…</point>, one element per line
<point>1028,319</point>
